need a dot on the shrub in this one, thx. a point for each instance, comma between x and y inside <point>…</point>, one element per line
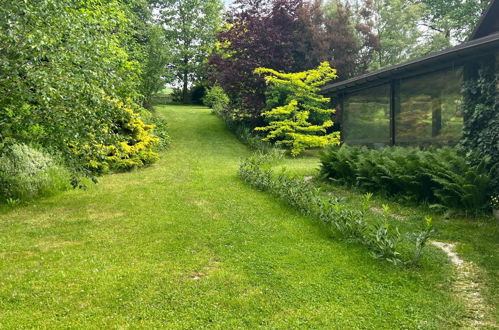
<point>67,67</point>
<point>381,239</point>
<point>216,99</point>
<point>481,113</point>
<point>440,177</point>
<point>161,132</point>
<point>177,96</point>
<point>26,173</point>
<point>134,148</point>
<point>197,94</point>
<point>298,116</point>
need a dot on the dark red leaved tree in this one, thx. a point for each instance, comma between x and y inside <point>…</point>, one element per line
<point>286,35</point>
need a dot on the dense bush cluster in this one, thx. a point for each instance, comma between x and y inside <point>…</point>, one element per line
<point>26,173</point>
<point>380,238</point>
<point>441,176</point>
<point>216,99</point>
<point>72,76</point>
<point>297,116</point>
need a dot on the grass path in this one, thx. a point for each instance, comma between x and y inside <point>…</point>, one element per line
<point>185,244</point>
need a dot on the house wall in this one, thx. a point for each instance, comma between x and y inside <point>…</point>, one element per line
<point>421,110</point>
<point>430,110</point>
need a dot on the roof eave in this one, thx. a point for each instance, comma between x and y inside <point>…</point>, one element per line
<point>460,53</point>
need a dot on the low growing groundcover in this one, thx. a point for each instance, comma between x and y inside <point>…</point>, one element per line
<point>186,244</point>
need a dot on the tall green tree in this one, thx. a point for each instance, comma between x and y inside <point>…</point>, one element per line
<point>190,28</point>
<point>147,45</point>
<point>396,22</point>
<point>69,79</point>
<point>409,29</point>
<point>453,20</point>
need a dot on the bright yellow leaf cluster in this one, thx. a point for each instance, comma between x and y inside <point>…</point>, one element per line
<point>289,125</point>
<point>134,150</point>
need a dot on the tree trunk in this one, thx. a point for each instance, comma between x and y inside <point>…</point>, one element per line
<point>185,89</point>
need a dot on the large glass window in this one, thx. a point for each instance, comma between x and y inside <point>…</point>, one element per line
<point>366,117</point>
<point>429,109</point>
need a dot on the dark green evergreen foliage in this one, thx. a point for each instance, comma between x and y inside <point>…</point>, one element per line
<point>194,95</point>
<point>197,93</point>
<point>440,177</point>
<point>481,115</point>
<point>380,238</point>
<point>177,96</point>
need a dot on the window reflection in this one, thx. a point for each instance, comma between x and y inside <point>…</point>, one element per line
<point>430,111</point>
<point>366,117</point>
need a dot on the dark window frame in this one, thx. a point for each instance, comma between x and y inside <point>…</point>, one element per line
<point>394,93</point>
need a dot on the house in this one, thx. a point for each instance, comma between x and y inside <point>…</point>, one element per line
<point>419,102</point>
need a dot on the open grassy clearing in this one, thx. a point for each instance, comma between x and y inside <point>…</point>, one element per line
<point>476,237</point>
<point>185,244</point>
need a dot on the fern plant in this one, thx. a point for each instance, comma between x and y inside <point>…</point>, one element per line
<point>439,177</point>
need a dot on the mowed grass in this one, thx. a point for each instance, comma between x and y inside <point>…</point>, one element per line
<point>186,244</point>
<point>476,236</point>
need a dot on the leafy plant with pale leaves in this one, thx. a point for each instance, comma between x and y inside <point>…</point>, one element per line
<point>303,118</point>
<point>380,238</point>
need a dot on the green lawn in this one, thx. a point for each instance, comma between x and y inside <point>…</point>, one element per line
<point>186,244</point>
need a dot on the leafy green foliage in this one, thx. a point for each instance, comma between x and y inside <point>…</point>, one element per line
<point>454,19</point>
<point>409,29</point>
<point>26,173</point>
<point>216,99</point>
<point>396,24</point>
<point>303,119</point>
<point>494,202</point>
<point>70,73</point>
<point>481,111</point>
<point>154,74</point>
<point>422,238</point>
<point>439,176</point>
<point>190,27</point>
<point>197,93</point>
<point>160,131</point>
<point>379,238</point>
<point>134,148</point>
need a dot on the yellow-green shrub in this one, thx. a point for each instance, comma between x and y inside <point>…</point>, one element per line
<point>299,117</point>
<point>133,145</point>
